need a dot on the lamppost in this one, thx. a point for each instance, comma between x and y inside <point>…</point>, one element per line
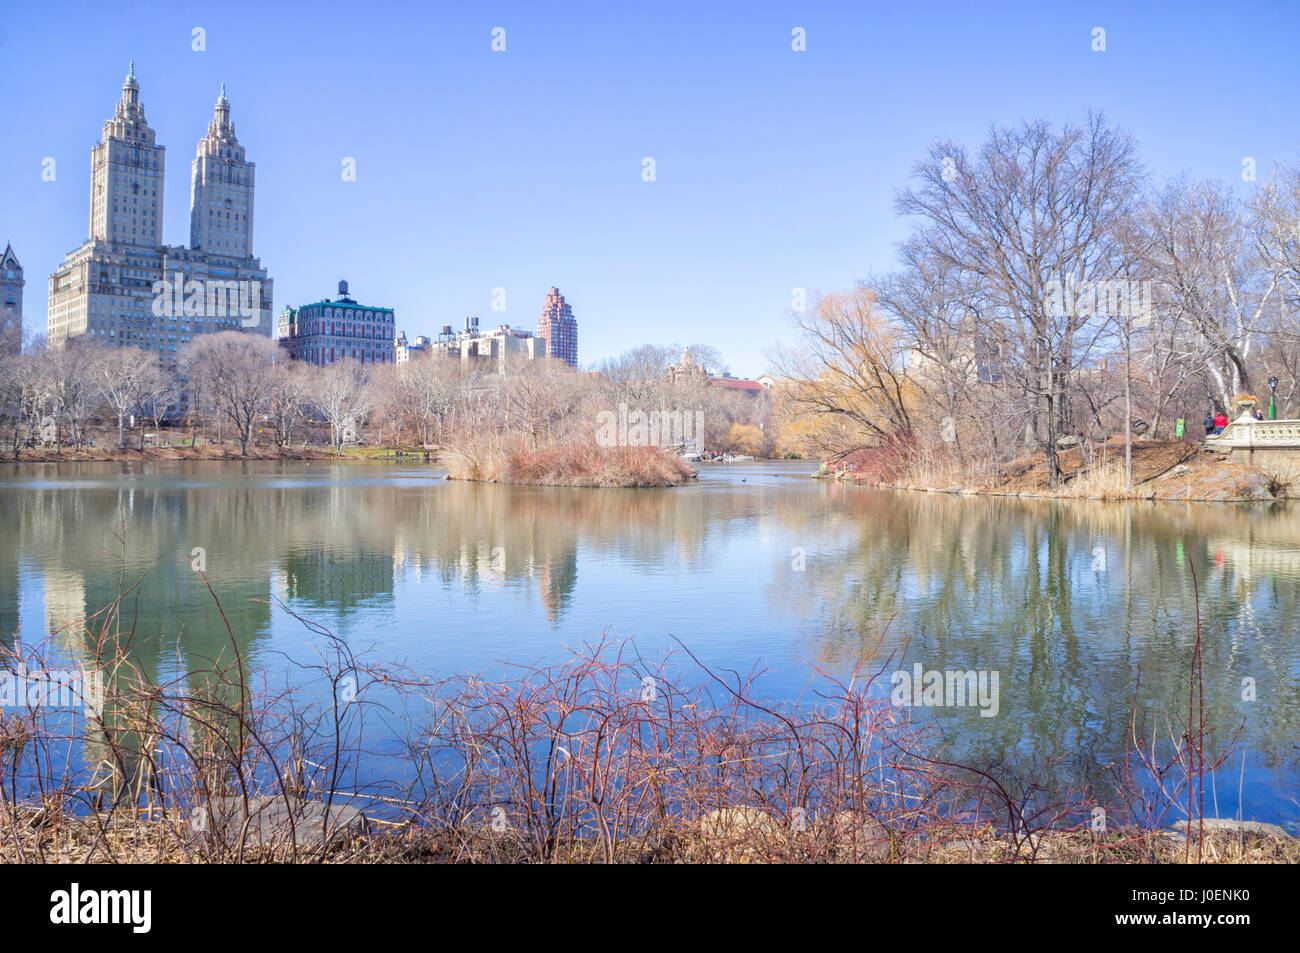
<point>1272,401</point>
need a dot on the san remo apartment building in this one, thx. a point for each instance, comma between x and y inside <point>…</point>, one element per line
<point>123,286</point>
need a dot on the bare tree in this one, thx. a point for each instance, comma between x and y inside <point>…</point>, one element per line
<point>638,376</point>
<point>126,376</point>
<point>1205,254</point>
<point>955,359</point>
<point>1035,206</point>
<point>536,400</point>
<point>234,371</point>
<point>1276,224</point>
<point>339,393</point>
<point>289,398</point>
<point>69,381</point>
<point>23,392</point>
<point>431,387</point>
<point>706,355</point>
<point>160,393</point>
<point>851,366</point>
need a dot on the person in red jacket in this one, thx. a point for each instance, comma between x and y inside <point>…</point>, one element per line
<point>1220,422</point>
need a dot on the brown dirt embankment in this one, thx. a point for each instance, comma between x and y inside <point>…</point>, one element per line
<point>1172,470</point>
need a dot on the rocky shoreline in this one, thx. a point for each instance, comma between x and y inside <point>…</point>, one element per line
<point>1250,486</point>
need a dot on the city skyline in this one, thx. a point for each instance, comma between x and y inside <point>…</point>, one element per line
<point>774,167</point>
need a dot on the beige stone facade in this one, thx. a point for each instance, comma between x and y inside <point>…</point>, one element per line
<point>123,286</point>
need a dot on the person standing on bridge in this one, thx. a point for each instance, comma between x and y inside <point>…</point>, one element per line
<point>1220,422</point>
<point>1209,422</point>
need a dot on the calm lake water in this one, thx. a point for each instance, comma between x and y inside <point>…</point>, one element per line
<point>1084,610</point>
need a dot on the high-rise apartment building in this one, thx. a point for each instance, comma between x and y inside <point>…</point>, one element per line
<point>123,286</point>
<point>559,328</point>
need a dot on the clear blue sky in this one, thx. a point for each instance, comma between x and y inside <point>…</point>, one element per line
<point>522,169</point>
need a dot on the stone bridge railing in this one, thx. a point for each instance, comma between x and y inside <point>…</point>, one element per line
<point>1246,432</point>
<point>1272,445</point>
<point>1255,558</point>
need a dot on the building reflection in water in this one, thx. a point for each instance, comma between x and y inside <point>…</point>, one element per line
<point>890,579</point>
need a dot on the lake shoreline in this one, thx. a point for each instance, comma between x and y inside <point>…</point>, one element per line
<point>658,472</point>
<point>727,835</point>
<point>1163,471</point>
<point>1153,497</point>
<point>203,452</point>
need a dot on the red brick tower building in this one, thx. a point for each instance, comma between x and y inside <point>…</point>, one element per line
<point>559,328</point>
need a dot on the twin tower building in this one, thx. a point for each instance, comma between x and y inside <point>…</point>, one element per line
<point>123,286</point>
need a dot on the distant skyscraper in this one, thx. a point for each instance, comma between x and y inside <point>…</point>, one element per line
<point>123,286</point>
<point>559,328</point>
<point>11,301</point>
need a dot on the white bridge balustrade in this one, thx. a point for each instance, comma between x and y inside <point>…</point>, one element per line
<point>1253,560</point>
<point>1271,445</point>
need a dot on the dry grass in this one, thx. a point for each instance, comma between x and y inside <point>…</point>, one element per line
<point>1102,483</point>
<point>570,464</point>
<point>587,465</point>
<point>34,835</point>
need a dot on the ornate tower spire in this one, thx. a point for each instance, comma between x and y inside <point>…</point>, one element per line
<point>130,90</point>
<point>221,116</point>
